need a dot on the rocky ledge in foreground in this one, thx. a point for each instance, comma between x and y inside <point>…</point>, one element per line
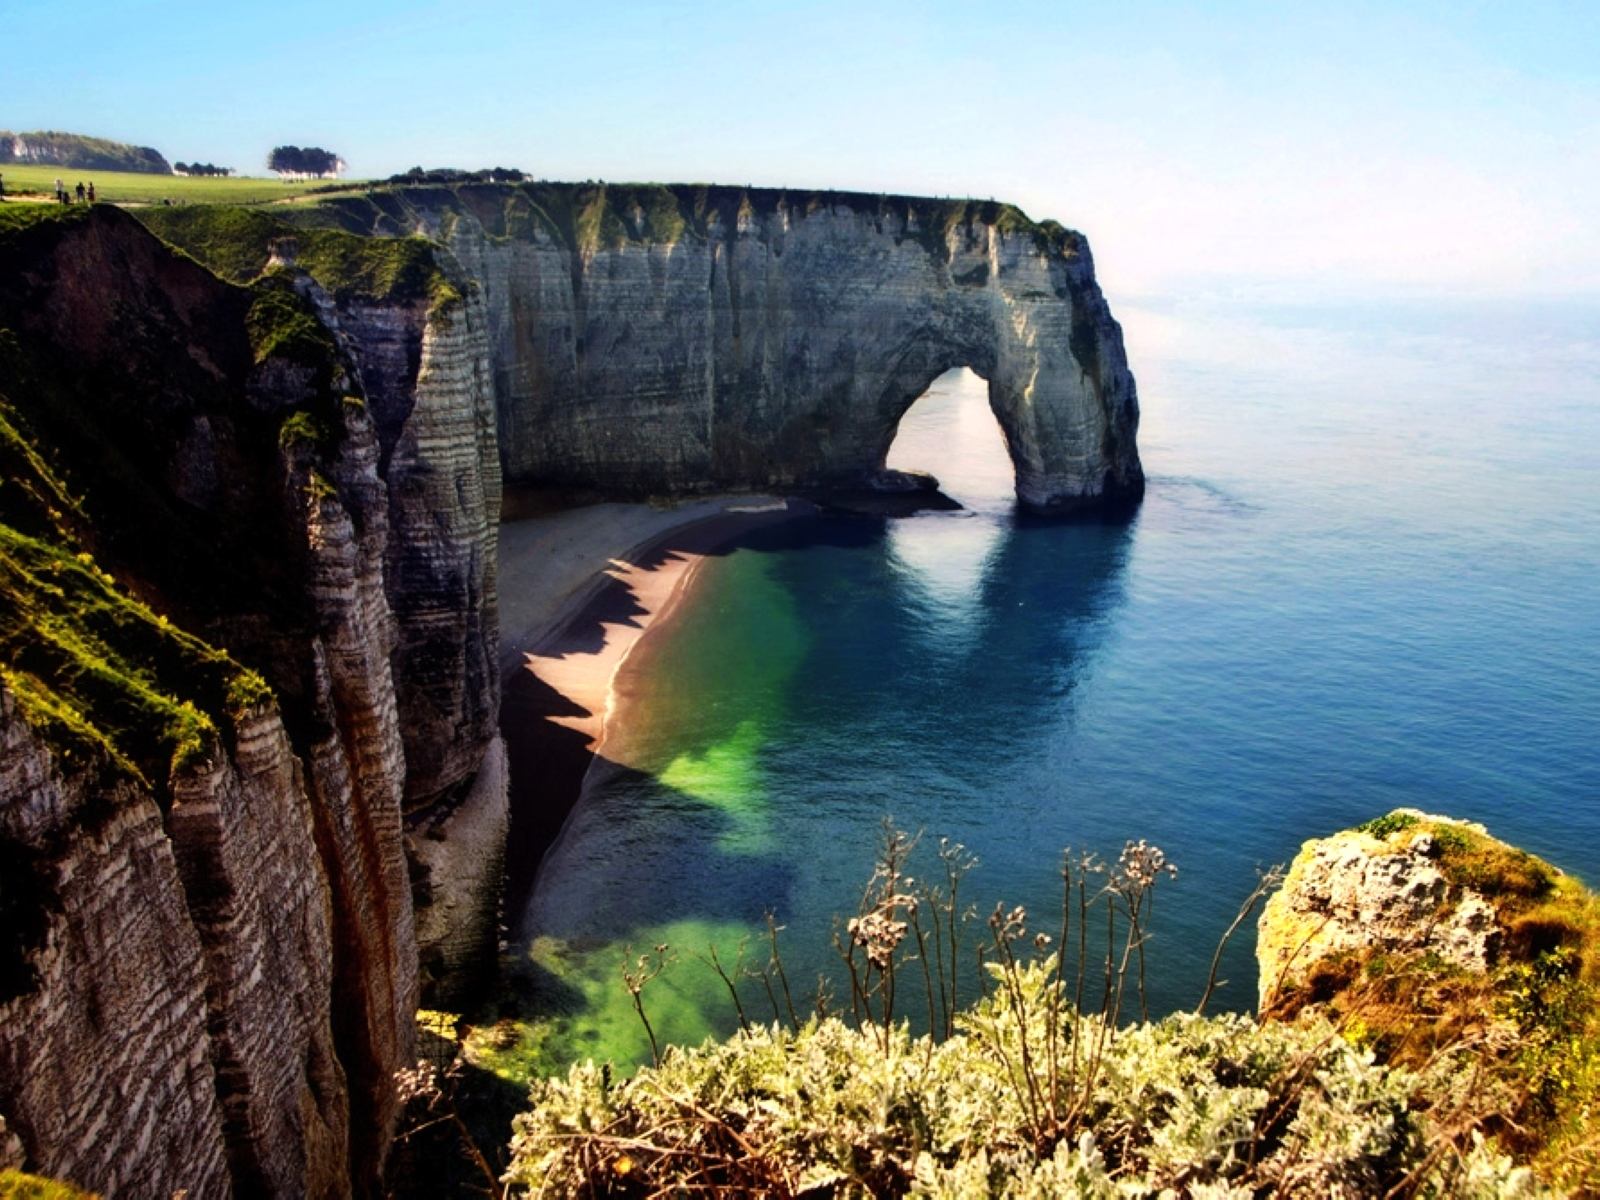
<point>1469,963</point>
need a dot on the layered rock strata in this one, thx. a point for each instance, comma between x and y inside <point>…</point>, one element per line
<point>657,340</point>
<point>213,972</point>
<point>417,333</point>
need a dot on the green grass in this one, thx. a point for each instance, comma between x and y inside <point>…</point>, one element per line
<point>232,241</point>
<point>93,670</point>
<point>16,218</point>
<point>128,187</point>
<point>281,325</point>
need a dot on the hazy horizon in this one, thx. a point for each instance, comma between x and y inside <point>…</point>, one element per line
<point>1425,149</point>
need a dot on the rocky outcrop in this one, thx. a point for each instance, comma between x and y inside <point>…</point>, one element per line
<point>417,335</point>
<point>1434,947</point>
<point>650,339</point>
<point>428,379</point>
<point>427,382</point>
<point>1379,888</point>
<point>211,974</point>
<point>1380,909</point>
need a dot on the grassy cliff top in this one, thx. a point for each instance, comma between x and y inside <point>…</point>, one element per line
<point>592,216</point>
<point>587,216</point>
<point>141,187</point>
<point>234,242</point>
<point>18,218</point>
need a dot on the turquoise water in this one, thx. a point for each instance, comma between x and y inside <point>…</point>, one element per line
<point>1366,574</point>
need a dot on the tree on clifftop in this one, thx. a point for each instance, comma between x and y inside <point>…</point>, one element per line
<point>304,162</point>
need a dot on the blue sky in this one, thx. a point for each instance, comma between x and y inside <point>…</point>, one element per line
<point>1427,148</point>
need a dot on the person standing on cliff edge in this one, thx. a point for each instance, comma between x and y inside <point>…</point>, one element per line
<point>2,189</point>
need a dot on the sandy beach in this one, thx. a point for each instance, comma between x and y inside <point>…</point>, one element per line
<point>579,590</point>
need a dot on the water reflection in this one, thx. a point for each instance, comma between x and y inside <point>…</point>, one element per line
<point>820,677</point>
<point>1275,649</point>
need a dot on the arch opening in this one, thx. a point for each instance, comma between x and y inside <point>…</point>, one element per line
<point>951,432</point>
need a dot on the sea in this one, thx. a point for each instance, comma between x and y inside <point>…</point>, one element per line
<point>1365,575</point>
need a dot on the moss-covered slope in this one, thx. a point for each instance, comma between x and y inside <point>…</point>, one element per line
<point>93,668</point>
<point>236,242</point>
<point>117,401</point>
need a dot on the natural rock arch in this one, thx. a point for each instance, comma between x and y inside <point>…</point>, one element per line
<point>671,339</point>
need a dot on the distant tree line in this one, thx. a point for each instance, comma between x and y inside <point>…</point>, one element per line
<point>196,168</point>
<point>305,162</point>
<point>452,175</point>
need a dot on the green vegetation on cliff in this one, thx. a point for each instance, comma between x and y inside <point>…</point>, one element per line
<point>14,1185</point>
<point>1029,1091</point>
<point>1188,1105</point>
<point>15,218</point>
<point>105,682</point>
<point>91,650</point>
<point>1529,1015</point>
<point>79,151</point>
<point>235,243</point>
<point>92,669</point>
<point>596,216</point>
<point>280,325</point>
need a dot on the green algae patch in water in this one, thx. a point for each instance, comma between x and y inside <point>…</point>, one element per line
<point>726,776</point>
<point>708,750</point>
<point>573,1004</point>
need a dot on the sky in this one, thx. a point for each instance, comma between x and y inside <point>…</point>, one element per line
<point>1292,149</point>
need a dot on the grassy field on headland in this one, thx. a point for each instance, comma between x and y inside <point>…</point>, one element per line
<point>127,187</point>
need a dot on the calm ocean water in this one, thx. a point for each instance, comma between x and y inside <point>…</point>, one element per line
<point>1367,574</point>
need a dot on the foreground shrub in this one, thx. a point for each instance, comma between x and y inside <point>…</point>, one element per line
<point>1187,1105</point>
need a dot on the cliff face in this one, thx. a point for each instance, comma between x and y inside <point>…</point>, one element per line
<point>419,340</point>
<point>210,971</point>
<point>428,382</point>
<point>676,339</point>
<point>225,875</point>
